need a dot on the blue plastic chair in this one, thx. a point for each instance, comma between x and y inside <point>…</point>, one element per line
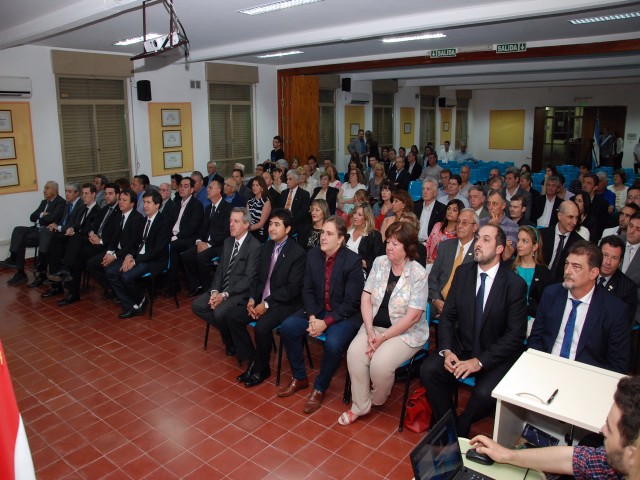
<point>153,285</point>
<point>415,190</point>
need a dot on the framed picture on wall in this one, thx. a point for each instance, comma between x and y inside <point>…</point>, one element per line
<point>173,159</point>
<point>355,128</point>
<point>6,124</point>
<point>407,128</point>
<point>171,138</point>
<point>7,148</point>
<point>9,175</point>
<point>170,118</point>
<point>445,127</point>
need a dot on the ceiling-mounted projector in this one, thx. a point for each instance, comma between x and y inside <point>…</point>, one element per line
<point>161,43</point>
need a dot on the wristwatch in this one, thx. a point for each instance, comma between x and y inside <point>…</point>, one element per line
<point>480,363</point>
<point>266,305</point>
<point>225,295</point>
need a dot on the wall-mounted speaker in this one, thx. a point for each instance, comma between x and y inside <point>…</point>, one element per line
<point>144,90</point>
<point>442,102</point>
<point>346,84</point>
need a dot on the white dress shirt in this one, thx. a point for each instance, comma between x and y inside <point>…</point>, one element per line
<point>581,315</point>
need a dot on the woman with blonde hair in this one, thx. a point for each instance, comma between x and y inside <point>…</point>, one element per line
<point>310,233</point>
<point>363,238</point>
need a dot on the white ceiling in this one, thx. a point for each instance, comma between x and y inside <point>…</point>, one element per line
<point>344,31</point>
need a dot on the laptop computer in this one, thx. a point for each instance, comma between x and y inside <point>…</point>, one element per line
<point>438,456</point>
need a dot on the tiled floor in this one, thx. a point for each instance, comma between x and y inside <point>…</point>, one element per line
<point>107,398</point>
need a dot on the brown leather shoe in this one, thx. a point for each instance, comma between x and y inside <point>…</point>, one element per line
<point>314,402</point>
<point>293,387</point>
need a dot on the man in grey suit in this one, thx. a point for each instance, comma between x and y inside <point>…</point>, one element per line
<point>233,280</point>
<point>451,254</point>
<point>631,260</point>
<point>477,199</point>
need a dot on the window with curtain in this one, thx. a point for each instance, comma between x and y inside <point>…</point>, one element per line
<point>327,125</point>
<point>93,121</point>
<point>230,126</point>
<point>427,121</point>
<point>462,118</point>
<point>383,118</point>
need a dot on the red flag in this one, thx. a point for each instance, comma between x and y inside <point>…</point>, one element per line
<point>15,456</point>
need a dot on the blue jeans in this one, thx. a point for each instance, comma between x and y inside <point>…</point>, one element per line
<point>339,336</point>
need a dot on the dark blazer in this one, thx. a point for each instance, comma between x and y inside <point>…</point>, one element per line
<point>332,197</point>
<point>238,201</point>
<point>207,179</point>
<point>401,178</point>
<point>274,196</point>
<point>633,272</point>
<point>287,276</point>
<point>548,238</point>
<point>605,337</point>
<point>600,210</point>
<point>371,246</point>
<point>538,210</point>
<point>416,172</point>
<point>171,210</point>
<point>622,287</point>
<point>111,228</point>
<point>245,268</point>
<point>299,208</point>
<point>347,283</point>
<point>439,275</point>
<point>215,230</point>
<point>90,219</point>
<point>128,237</point>
<point>74,217</point>
<point>504,321</point>
<point>156,247</point>
<point>191,220</point>
<point>437,214</point>
<point>53,214</point>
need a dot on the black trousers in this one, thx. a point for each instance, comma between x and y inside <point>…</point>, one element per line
<point>177,248</point>
<point>21,238</point>
<point>197,266</point>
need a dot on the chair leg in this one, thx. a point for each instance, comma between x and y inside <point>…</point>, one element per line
<point>175,297</point>
<point>346,395</point>
<point>306,345</point>
<point>279,370</point>
<point>152,296</point>
<point>403,411</point>
<point>206,336</point>
<point>455,394</point>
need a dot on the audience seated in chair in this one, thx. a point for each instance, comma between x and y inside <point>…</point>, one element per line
<point>297,201</point>
<point>394,327</point>
<point>429,210</point>
<point>479,335</point>
<point>611,277</point>
<point>557,240</point>
<point>497,206</point>
<point>333,285</point>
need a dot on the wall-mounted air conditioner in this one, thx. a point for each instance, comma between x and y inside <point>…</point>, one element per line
<point>352,98</point>
<point>19,87</point>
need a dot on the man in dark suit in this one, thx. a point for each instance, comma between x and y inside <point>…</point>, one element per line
<point>557,240</point>
<point>477,200</point>
<point>232,282</point>
<point>214,229</point>
<point>399,175</point>
<point>184,230</point>
<point>274,296</point>
<point>296,200</point>
<point>451,254</point>
<point>580,322</point>
<point>169,207</point>
<point>631,264</point>
<point>413,167</point>
<point>127,237</point>
<point>211,174</point>
<point>49,211</point>
<point>81,248</point>
<point>335,313</point>
<point>72,239</point>
<point>512,188</point>
<point>611,277</point>
<point>150,256</point>
<point>429,211</point>
<point>545,207</point>
<point>231,194</point>
<point>479,335</point>
<point>599,206</point>
<point>70,218</point>
<point>272,193</point>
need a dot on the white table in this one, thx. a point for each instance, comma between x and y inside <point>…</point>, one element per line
<point>585,395</point>
<point>499,471</point>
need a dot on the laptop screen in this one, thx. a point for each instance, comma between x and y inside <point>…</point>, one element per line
<point>438,456</point>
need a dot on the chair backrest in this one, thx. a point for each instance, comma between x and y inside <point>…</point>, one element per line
<point>415,190</point>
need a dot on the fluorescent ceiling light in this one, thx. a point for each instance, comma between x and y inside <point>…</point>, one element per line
<point>604,18</point>
<point>410,38</point>
<point>280,54</point>
<point>131,41</point>
<point>274,7</point>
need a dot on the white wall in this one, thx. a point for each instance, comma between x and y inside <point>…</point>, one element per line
<point>528,99</point>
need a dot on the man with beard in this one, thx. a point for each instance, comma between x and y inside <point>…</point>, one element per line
<point>481,334</point>
<point>614,460</point>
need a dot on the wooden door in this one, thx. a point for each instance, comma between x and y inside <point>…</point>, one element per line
<point>299,116</point>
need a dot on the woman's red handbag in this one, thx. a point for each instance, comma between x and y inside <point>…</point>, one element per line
<point>418,414</point>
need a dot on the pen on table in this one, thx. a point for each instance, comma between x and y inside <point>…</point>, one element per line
<point>553,395</point>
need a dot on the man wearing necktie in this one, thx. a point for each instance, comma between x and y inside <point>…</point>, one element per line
<point>631,264</point>
<point>49,211</point>
<point>479,335</point>
<point>234,278</point>
<point>557,240</point>
<point>581,321</point>
<point>275,295</point>
<point>151,256</point>
<point>296,200</point>
<point>70,219</point>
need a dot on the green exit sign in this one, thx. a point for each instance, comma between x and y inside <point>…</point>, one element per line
<point>443,52</point>
<point>511,47</point>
